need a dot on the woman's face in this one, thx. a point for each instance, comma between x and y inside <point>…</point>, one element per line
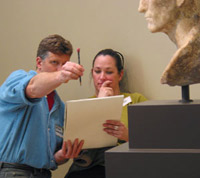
<point>160,14</point>
<point>105,69</point>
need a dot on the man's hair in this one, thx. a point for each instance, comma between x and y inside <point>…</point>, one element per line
<point>55,44</point>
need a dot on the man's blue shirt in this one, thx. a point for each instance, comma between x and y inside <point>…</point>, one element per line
<point>29,133</point>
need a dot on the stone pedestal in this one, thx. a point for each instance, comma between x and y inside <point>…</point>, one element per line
<point>164,142</point>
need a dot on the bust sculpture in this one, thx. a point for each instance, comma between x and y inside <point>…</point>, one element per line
<point>180,20</point>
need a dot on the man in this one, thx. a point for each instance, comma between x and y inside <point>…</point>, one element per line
<point>180,20</point>
<point>31,124</point>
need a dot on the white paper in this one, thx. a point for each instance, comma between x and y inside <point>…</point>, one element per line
<point>85,118</point>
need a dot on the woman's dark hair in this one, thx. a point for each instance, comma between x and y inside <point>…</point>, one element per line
<point>119,58</point>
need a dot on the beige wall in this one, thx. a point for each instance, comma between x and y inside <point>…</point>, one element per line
<point>90,25</point>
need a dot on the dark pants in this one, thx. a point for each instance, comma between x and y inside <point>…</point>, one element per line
<point>12,172</point>
<point>94,172</point>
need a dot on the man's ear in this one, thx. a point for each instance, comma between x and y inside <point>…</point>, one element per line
<point>38,63</point>
<point>179,2</point>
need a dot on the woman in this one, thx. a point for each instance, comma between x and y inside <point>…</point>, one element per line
<point>107,72</point>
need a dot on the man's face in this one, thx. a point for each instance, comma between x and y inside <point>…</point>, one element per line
<point>160,14</point>
<point>52,62</point>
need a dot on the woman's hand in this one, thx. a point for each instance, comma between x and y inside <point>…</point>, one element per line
<point>68,151</point>
<point>116,129</point>
<point>105,89</point>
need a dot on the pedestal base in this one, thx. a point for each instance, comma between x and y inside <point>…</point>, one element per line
<point>122,162</point>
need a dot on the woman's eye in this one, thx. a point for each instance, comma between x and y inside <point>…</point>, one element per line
<point>109,72</point>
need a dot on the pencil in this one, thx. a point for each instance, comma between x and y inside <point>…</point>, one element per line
<point>79,61</point>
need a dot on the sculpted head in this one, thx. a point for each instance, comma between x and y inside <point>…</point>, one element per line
<point>163,15</point>
<point>180,20</point>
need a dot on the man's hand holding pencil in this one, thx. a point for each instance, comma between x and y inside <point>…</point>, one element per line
<point>70,71</point>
